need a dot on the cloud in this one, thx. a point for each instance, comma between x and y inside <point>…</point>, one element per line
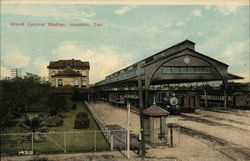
<point>124,10</point>
<point>234,53</point>
<point>180,24</point>
<point>207,7</point>
<point>168,25</point>
<point>200,34</point>
<point>58,12</point>
<point>15,59</point>
<point>5,72</point>
<point>196,13</point>
<point>228,9</point>
<point>103,61</point>
<point>38,66</point>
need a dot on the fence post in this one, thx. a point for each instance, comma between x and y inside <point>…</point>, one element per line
<point>95,140</point>
<point>111,142</point>
<point>32,143</point>
<point>65,142</point>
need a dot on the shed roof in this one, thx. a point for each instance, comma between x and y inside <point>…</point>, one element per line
<point>155,110</point>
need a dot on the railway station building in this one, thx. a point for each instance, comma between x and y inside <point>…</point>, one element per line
<point>71,73</point>
<point>178,70</point>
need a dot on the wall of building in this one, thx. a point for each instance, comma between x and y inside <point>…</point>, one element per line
<point>68,80</point>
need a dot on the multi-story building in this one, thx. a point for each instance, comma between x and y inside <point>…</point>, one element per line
<point>69,73</point>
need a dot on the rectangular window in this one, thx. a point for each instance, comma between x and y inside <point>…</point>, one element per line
<point>183,69</point>
<point>60,83</point>
<point>190,69</point>
<point>166,70</point>
<point>84,83</point>
<point>206,69</point>
<point>175,69</point>
<point>198,69</point>
<point>71,83</point>
<point>53,83</point>
<point>76,82</point>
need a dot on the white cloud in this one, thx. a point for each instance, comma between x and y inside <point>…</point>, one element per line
<point>124,9</point>
<point>234,53</point>
<point>15,59</point>
<point>168,25</point>
<point>59,11</point>
<point>5,72</point>
<point>103,61</point>
<point>180,24</point>
<point>196,13</point>
<point>228,9</point>
<point>207,7</point>
<point>38,66</point>
<point>200,34</point>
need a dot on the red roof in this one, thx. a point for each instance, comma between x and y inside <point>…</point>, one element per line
<point>75,64</point>
<point>155,110</point>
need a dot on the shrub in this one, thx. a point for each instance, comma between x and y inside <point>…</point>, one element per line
<point>73,107</point>
<point>61,115</point>
<point>26,120</point>
<point>81,115</point>
<point>35,122</point>
<point>55,121</point>
<point>53,113</point>
<point>81,123</point>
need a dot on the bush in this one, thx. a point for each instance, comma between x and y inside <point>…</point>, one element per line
<point>26,120</point>
<point>53,113</point>
<point>34,123</point>
<point>61,115</point>
<point>81,123</point>
<point>81,115</point>
<point>55,121</point>
<point>73,107</point>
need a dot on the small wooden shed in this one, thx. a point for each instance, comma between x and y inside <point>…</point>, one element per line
<point>155,125</point>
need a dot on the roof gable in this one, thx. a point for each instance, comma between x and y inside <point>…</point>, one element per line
<point>68,72</point>
<point>155,110</point>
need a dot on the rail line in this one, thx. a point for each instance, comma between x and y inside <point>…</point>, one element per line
<point>232,151</point>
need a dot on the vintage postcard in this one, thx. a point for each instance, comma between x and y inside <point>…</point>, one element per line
<point>125,80</point>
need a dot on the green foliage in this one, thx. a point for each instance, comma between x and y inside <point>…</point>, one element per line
<point>55,121</point>
<point>75,96</point>
<point>82,123</point>
<point>34,123</point>
<point>81,115</point>
<point>27,95</point>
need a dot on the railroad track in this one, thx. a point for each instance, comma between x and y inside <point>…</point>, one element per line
<point>232,151</point>
<point>210,122</point>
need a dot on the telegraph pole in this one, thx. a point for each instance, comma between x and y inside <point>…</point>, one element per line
<point>128,133</point>
<point>142,141</point>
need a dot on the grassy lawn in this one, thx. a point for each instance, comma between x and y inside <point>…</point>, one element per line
<point>57,141</point>
<point>70,117</point>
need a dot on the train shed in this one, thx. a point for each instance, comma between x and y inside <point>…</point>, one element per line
<point>178,64</point>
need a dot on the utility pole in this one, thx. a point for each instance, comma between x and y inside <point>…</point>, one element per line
<point>142,141</point>
<point>128,133</point>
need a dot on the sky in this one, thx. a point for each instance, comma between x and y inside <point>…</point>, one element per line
<point>125,35</point>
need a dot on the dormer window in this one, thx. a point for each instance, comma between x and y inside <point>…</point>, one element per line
<point>53,73</point>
